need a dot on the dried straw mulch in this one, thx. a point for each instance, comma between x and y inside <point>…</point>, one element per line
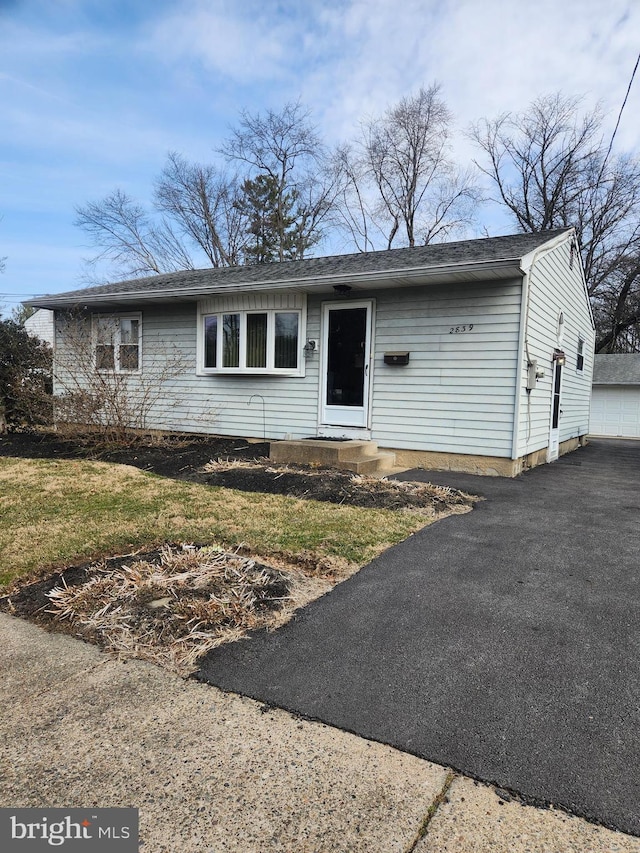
<point>340,487</point>
<point>174,610</point>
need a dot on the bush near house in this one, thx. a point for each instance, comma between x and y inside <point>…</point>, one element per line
<point>25,378</point>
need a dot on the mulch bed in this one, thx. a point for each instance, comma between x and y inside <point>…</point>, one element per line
<point>187,458</point>
<point>31,601</point>
<point>171,456</point>
<point>169,606</point>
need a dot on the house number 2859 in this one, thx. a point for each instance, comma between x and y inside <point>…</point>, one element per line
<point>455,330</point>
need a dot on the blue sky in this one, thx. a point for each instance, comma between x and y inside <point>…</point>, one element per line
<point>94,93</point>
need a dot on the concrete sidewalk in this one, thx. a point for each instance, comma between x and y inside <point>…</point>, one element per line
<point>212,772</point>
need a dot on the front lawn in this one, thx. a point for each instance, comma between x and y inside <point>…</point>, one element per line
<point>59,512</point>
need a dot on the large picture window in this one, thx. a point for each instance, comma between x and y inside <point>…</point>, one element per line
<point>251,342</point>
<point>117,341</point>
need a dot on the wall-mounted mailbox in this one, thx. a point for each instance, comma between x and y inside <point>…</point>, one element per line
<point>396,358</point>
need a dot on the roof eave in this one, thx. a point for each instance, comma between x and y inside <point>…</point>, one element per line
<point>403,277</point>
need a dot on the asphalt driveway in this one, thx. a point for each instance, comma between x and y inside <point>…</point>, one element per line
<point>504,643</point>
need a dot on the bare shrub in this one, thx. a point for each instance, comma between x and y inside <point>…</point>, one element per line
<point>107,401</point>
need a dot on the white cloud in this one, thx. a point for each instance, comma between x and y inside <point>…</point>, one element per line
<point>93,98</point>
<point>241,42</point>
<point>489,56</point>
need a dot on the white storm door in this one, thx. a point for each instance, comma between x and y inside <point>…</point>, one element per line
<point>346,363</point>
<point>556,412</point>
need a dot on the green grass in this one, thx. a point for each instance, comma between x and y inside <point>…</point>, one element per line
<point>56,513</point>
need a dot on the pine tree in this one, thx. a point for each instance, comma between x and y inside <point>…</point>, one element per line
<point>271,232</point>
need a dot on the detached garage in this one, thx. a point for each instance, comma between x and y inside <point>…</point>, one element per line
<point>615,401</point>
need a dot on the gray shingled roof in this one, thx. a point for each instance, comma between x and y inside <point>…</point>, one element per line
<point>486,250</point>
<point>621,369</point>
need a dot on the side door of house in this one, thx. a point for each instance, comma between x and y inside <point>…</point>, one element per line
<point>346,364</point>
<point>556,412</point>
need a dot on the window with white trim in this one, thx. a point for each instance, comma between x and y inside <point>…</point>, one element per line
<point>580,356</point>
<point>261,341</point>
<point>117,339</point>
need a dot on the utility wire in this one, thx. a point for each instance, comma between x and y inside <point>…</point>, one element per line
<point>615,129</point>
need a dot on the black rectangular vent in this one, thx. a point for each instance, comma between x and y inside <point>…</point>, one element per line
<point>396,358</point>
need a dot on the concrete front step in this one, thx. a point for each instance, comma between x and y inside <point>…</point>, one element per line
<point>362,457</point>
<point>374,464</point>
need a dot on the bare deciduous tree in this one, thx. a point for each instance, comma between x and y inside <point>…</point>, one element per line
<point>551,169</point>
<point>286,148</point>
<point>126,236</point>
<point>356,205</point>
<point>616,308</point>
<point>401,179</point>
<point>203,203</point>
<point>200,215</point>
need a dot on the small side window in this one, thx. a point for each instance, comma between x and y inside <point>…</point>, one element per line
<point>117,340</point>
<point>580,357</point>
<point>211,341</point>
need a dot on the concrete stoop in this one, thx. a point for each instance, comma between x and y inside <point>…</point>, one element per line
<point>361,457</point>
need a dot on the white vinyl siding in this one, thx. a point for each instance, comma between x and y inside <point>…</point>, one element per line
<point>456,394</point>
<point>40,325</point>
<point>225,404</point>
<point>554,288</point>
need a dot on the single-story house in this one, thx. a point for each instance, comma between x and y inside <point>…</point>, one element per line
<point>615,398</point>
<point>474,355</point>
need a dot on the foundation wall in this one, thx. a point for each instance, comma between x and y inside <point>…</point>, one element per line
<point>488,466</point>
<point>491,466</point>
<point>464,463</point>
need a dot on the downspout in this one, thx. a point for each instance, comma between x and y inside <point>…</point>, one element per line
<point>523,347</point>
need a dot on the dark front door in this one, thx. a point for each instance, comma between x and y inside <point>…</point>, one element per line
<point>346,345</point>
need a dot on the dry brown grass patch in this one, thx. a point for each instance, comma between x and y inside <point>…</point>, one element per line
<point>175,609</point>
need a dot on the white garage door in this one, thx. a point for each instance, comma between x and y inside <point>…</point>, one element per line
<point>615,411</point>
